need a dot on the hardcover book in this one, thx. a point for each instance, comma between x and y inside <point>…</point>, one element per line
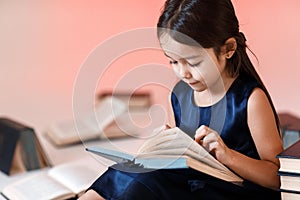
<point>290,159</point>
<point>20,149</point>
<point>289,181</point>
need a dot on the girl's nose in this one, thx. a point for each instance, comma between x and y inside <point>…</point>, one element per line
<point>184,71</point>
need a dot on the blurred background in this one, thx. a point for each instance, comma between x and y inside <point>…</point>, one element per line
<point>44,43</point>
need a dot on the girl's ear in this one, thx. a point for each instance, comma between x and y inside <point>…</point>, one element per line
<point>229,47</point>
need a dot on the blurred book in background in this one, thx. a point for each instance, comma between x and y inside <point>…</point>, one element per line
<point>20,149</point>
<point>134,122</point>
<point>290,126</point>
<point>91,126</point>
<point>137,100</point>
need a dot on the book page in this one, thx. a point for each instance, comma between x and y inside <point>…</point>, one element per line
<point>2,197</point>
<point>77,177</point>
<point>175,142</point>
<point>39,186</point>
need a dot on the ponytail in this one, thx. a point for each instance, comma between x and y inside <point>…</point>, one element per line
<point>240,64</point>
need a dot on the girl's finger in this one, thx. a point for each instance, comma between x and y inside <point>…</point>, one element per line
<point>201,132</point>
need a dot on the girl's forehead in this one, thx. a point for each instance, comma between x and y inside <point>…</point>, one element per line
<point>173,48</point>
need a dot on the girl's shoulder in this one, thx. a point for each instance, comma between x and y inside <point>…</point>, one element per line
<point>243,85</point>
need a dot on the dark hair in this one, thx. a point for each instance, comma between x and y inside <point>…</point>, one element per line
<point>210,23</point>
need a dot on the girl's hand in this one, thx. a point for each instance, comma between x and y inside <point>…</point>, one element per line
<point>213,143</point>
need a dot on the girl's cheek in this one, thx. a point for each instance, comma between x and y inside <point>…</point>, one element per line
<point>175,69</point>
<point>198,74</point>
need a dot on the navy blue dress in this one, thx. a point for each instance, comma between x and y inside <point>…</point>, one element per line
<point>229,118</point>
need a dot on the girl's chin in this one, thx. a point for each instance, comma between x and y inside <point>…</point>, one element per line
<point>198,87</point>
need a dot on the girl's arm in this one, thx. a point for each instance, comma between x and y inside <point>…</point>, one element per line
<point>263,128</point>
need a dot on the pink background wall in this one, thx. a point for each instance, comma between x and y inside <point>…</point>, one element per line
<point>44,43</point>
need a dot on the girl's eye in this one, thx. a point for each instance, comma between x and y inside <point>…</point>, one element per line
<point>173,62</point>
<point>196,64</point>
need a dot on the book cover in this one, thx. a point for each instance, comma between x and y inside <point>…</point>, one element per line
<point>9,136</point>
<point>292,152</point>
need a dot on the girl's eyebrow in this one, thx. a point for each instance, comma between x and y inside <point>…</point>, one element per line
<point>186,58</point>
<point>167,55</point>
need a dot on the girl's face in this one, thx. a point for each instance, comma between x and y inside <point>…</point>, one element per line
<point>195,65</point>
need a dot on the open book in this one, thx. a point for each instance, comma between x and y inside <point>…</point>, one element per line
<point>90,126</point>
<point>60,182</point>
<point>169,149</point>
<point>20,148</point>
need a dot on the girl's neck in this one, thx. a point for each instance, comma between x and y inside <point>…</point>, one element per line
<point>214,93</point>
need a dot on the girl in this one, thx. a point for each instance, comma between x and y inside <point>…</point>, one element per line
<point>220,100</point>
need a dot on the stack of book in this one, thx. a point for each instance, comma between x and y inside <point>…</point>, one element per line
<point>289,172</point>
